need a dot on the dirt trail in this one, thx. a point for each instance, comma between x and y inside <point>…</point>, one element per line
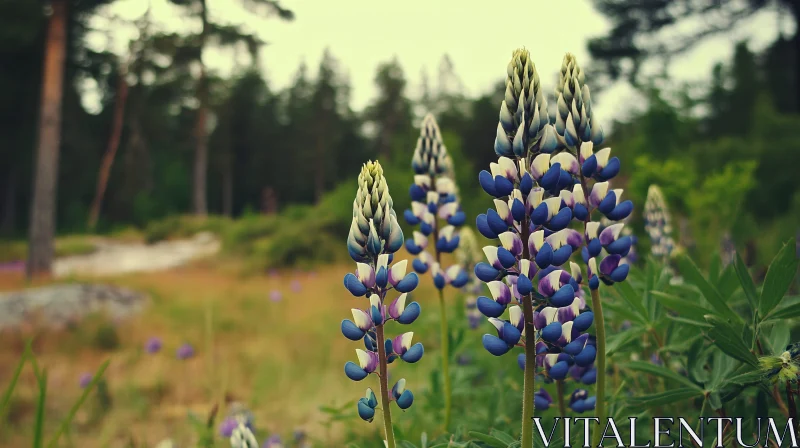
<point>112,258</point>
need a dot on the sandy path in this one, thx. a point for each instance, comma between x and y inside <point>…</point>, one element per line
<point>112,258</point>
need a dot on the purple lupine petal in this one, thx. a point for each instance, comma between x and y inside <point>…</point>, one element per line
<point>500,292</point>
<point>610,234</point>
<point>511,242</point>
<point>398,306</point>
<point>365,274</point>
<point>367,360</point>
<point>397,272</point>
<point>609,263</point>
<point>599,191</point>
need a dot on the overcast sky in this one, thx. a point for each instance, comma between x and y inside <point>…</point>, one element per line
<point>478,35</point>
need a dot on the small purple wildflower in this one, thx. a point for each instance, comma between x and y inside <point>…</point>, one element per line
<point>85,380</point>
<point>12,266</point>
<point>299,435</point>
<point>227,426</point>
<point>153,345</point>
<point>296,285</point>
<point>185,351</point>
<point>464,359</point>
<point>273,442</point>
<point>275,295</point>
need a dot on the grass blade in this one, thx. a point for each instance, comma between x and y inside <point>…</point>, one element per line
<point>13,384</point>
<point>38,428</point>
<point>68,420</point>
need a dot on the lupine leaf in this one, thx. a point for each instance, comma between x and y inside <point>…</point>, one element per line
<point>662,372</point>
<point>423,440</point>
<point>714,298</point>
<point>696,323</point>
<point>619,340</point>
<point>686,308</point>
<point>748,378</point>
<point>780,275</point>
<point>500,435</point>
<point>620,310</point>
<point>487,439</point>
<point>746,281</point>
<point>786,312</point>
<point>727,282</point>
<point>729,340</point>
<point>627,292</point>
<point>406,444</point>
<point>668,397</point>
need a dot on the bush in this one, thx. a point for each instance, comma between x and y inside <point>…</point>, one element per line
<point>183,226</point>
<point>106,337</point>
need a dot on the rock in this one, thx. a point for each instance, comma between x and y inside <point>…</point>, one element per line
<point>59,305</point>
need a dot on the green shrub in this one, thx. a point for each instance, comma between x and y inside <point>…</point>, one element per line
<point>106,337</point>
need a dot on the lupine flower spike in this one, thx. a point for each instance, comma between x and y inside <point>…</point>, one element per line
<point>375,236</point>
<point>547,180</point>
<point>435,208</point>
<point>657,224</point>
<point>468,256</point>
<point>242,437</point>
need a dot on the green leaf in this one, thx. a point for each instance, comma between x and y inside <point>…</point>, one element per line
<point>746,281</point>
<point>423,440</point>
<point>500,435</point>
<point>619,340</point>
<point>686,308</point>
<point>406,444</point>
<point>729,340</point>
<point>786,312</point>
<point>727,283</point>
<point>747,379</point>
<point>623,312</point>
<point>779,278</point>
<point>38,426</point>
<point>487,439</point>
<point>662,372</point>
<point>693,275</point>
<point>695,323</point>
<point>74,410</point>
<point>633,299</point>
<point>663,398</point>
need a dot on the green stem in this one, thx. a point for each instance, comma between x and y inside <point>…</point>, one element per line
<point>445,360</point>
<point>384,377</point>
<point>600,329</point>
<point>562,406</point>
<point>529,384</point>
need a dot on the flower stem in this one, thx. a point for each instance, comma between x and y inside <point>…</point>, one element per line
<point>529,384</point>
<point>562,406</point>
<point>600,329</point>
<point>445,360</point>
<point>384,377</point>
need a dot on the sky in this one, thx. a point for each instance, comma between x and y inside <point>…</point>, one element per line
<point>479,37</point>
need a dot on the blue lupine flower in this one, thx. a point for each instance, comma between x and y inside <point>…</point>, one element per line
<point>227,426</point>
<point>551,189</point>
<point>580,401</point>
<point>543,399</point>
<point>374,237</point>
<point>434,207</point>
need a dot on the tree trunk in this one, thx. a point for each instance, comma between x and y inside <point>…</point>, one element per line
<point>201,131</point>
<point>9,219</point>
<point>43,208</point>
<point>111,149</point>
<point>227,187</point>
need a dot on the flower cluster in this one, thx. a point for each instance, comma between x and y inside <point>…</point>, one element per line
<point>547,180</point>
<point>374,237</point>
<point>468,255</point>
<point>434,198</point>
<point>242,437</point>
<point>657,223</point>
